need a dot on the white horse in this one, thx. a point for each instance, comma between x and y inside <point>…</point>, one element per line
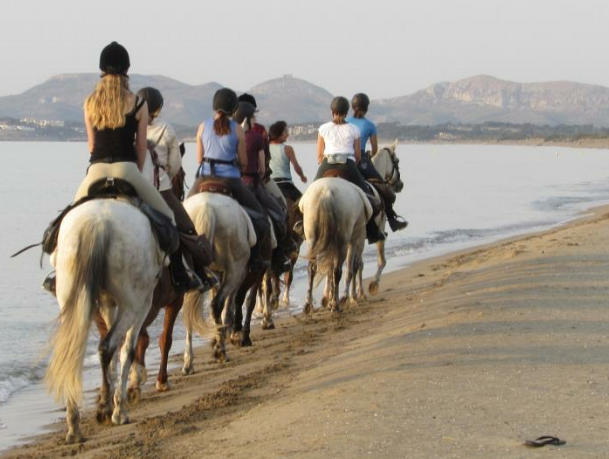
<point>386,163</point>
<point>335,213</point>
<point>230,231</point>
<point>107,261</point>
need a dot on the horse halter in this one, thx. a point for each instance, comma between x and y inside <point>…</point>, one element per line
<point>394,178</point>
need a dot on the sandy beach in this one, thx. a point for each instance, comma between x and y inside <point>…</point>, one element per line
<point>464,356</point>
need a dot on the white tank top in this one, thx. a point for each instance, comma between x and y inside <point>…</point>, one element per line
<point>280,163</point>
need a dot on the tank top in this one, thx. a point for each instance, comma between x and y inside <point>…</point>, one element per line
<point>280,163</point>
<point>118,144</point>
<point>254,143</point>
<point>223,148</point>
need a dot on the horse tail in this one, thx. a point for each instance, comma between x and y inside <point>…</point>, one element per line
<point>88,272</point>
<point>328,241</point>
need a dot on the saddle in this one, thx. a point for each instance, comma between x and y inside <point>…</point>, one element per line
<point>215,186</point>
<point>335,173</point>
<point>114,188</point>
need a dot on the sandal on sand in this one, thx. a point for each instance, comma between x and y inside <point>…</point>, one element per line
<point>543,441</point>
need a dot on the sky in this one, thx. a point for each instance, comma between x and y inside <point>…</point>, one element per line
<point>386,48</point>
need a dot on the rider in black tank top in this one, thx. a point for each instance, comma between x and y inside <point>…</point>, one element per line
<point>117,145</point>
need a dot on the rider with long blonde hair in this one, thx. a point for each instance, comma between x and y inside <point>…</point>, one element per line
<point>116,122</point>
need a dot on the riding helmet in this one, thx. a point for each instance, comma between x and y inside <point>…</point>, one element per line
<point>114,59</point>
<point>225,101</point>
<point>245,97</point>
<point>361,101</point>
<point>153,98</point>
<point>244,110</point>
<point>340,106</point>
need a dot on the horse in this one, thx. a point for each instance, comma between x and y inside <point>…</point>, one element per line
<point>335,213</point>
<point>102,266</point>
<point>231,233</point>
<point>386,163</point>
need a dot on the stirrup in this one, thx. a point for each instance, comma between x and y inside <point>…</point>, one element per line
<point>190,282</point>
<point>208,280</point>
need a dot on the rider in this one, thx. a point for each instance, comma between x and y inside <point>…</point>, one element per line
<point>168,162</point>
<point>338,148</point>
<point>252,176</point>
<point>116,122</point>
<point>221,154</point>
<point>360,103</point>
<point>281,157</point>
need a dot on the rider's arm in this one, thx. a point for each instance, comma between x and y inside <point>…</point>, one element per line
<point>200,151</point>
<point>241,153</point>
<point>289,152</point>
<point>357,150</point>
<point>321,147</point>
<point>90,135</point>
<point>374,145</point>
<point>141,142</point>
<point>261,163</point>
<point>174,158</point>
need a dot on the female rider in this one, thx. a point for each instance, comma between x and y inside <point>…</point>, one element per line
<point>338,147</point>
<point>168,162</point>
<point>360,103</point>
<point>222,155</point>
<point>281,157</point>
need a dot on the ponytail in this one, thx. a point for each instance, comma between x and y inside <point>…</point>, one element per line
<point>222,125</point>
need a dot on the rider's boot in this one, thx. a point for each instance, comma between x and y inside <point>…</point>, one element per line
<point>208,279</point>
<point>182,281</point>
<point>49,283</point>
<point>396,222</point>
<point>373,233</point>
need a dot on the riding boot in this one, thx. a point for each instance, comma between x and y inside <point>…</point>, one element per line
<point>191,242</point>
<point>396,222</point>
<point>50,282</point>
<point>373,233</point>
<point>182,281</point>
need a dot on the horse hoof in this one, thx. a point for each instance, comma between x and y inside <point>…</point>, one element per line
<point>221,356</point>
<point>103,416</point>
<point>236,339</point>
<point>134,394</point>
<point>308,309</point>
<point>324,302</point>
<point>164,386</point>
<point>343,301</point>
<point>120,419</point>
<point>336,309</point>
<point>246,342</point>
<point>74,437</point>
<point>373,288</point>
<point>186,371</point>
<point>270,325</point>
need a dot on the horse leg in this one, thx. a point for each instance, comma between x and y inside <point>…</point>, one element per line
<point>138,375</point>
<point>373,287</point>
<point>218,342</point>
<point>361,295</point>
<point>106,351</point>
<point>130,318</point>
<point>349,281</point>
<point>165,341</point>
<point>250,305</point>
<point>236,337</point>
<point>336,276</point>
<point>288,283</point>
<point>266,287</point>
<point>188,367</point>
<point>74,434</point>
<point>312,269</point>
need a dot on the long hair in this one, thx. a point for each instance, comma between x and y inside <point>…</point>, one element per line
<point>222,125</point>
<point>106,106</point>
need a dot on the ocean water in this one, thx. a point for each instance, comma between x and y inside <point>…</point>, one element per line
<point>454,197</point>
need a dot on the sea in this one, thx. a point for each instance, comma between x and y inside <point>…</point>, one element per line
<point>455,197</point>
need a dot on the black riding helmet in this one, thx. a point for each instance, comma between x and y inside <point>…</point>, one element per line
<point>153,98</point>
<point>340,106</point>
<point>244,110</point>
<point>361,101</point>
<point>225,101</point>
<point>245,97</point>
<point>114,59</point>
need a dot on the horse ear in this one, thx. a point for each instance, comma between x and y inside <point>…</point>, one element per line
<point>395,144</point>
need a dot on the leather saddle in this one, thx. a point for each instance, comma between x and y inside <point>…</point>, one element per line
<point>215,186</point>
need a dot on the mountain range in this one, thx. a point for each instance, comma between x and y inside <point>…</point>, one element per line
<point>472,100</point>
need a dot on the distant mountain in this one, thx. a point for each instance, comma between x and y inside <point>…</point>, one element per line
<point>473,100</point>
<point>484,98</point>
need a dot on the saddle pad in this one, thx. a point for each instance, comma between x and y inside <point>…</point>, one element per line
<point>211,186</point>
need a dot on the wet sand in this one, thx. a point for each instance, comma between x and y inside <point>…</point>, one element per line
<point>463,356</point>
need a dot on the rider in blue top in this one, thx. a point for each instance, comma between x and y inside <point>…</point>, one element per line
<point>360,103</point>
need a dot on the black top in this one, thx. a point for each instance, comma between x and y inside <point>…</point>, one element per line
<point>117,145</point>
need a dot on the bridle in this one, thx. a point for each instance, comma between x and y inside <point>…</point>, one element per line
<point>394,178</point>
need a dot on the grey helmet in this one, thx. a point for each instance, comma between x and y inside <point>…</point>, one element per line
<point>225,101</point>
<point>340,106</point>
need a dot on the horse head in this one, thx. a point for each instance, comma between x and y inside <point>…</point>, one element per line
<point>387,163</point>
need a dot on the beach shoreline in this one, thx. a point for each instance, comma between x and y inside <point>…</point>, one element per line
<point>317,376</point>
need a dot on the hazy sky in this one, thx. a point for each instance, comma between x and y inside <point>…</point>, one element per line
<point>383,47</point>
